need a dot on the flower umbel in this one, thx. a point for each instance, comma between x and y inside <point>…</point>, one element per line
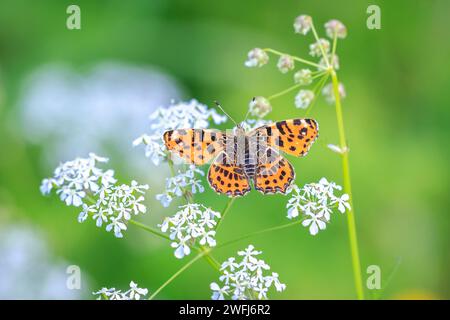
<point>193,222</point>
<point>316,202</point>
<point>245,277</point>
<point>183,182</point>
<point>81,183</point>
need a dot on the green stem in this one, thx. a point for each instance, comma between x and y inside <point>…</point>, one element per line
<point>276,95</point>
<point>225,211</point>
<point>176,274</point>
<point>317,89</point>
<point>320,45</point>
<point>295,86</point>
<point>209,258</point>
<point>348,189</point>
<point>287,225</point>
<point>149,229</point>
<point>293,57</point>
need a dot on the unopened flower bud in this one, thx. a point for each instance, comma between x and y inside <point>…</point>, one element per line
<point>304,98</point>
<point>335,27</point>
<point>259,107</point>
<point>303,77</point>
<point>302,24</point>
<point>256,58</point>
<point>315,49</point>
<point>328,92</point>
<point>285,63</point>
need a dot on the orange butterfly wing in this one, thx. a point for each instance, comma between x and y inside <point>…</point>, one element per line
<point>195,146</point>
<point>224,176</point>
<point>293,136</point>
<point>274,175</point>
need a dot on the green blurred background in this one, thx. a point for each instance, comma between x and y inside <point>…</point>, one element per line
<point>396,114</point>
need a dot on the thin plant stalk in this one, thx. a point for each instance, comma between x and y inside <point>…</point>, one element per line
<point>356,264</point>
<point>176,274</point>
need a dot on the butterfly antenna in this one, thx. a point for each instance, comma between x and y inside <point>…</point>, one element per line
<point>248,111</point>
<point>220,107</point>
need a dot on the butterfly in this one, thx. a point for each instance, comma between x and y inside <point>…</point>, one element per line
<point>241,158</point>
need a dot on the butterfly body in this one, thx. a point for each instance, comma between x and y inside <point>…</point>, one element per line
<point>243,158</point>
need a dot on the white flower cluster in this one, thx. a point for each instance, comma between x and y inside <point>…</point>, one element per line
<point>80,182</point>
<point>246,279</point>
<point>191,114</point>
<point>73,179</point>
<point>115,205</point>
<point>316,202</point>
<point>134,293</point>
<point>182,182</point>
<point>322,49</point>
<point>193,221</point>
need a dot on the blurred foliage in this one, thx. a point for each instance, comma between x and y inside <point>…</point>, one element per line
<point>396,113</point>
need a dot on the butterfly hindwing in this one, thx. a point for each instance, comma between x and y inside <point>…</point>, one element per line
<point>226,177</point>
<point>195,146</point>
<point>293,136</point>
<point>274,176</point>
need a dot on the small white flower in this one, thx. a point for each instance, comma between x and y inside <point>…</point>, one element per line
<point>118,226</point>
<point>183,180</point>
<point>71,197</point>
<point>343,203</point>
<point>335,28</point>
<point>182,249</point>
<point>304,98</point>
<point>314,222</point>
<point>245,278</point>
<point>193,222</point>
<point>315,203</point>
<point>218,292</point>
<point>46,186</point>
<point>302,24</point>
<point>256,58</point>
<point>273,279</point>
<point>135,292</point>
<point>285,63</point>
<point>100,217</point>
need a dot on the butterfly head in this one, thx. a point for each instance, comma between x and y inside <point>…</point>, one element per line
<point>239,129</point>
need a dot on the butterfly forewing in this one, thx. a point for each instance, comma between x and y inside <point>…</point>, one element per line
<point>195,146</point>
<point>293,136</point>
